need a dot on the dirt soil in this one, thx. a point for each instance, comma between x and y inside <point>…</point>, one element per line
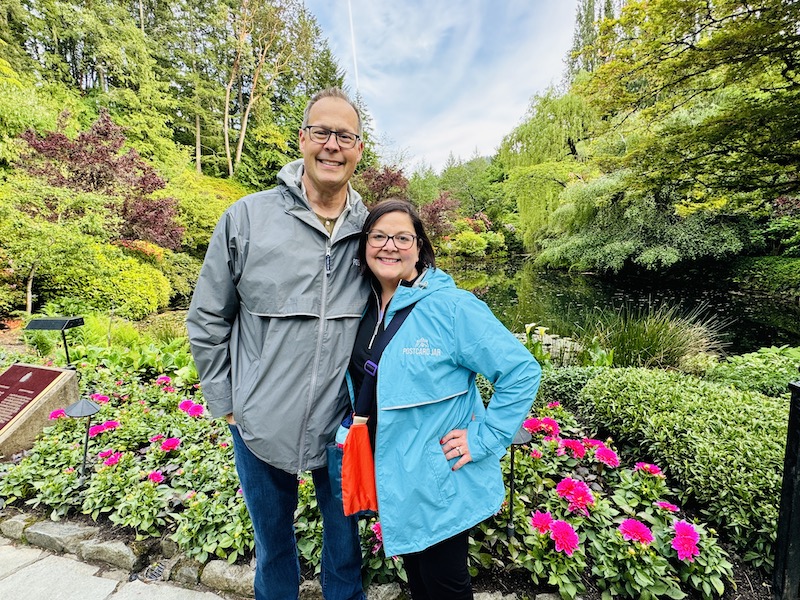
<point>11,336</point>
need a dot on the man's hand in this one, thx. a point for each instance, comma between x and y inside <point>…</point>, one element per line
<point>229,418</point>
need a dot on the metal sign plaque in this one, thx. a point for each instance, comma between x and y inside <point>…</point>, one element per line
<point>20,385</point>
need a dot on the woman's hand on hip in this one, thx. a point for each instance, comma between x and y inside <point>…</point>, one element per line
<point>454,445</point>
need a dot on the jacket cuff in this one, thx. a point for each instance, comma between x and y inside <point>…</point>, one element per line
<point>220,407</point>
<point>482,442</point>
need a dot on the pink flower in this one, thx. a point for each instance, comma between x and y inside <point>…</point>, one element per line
<point>577,493</point>
<point>592,443</point>
<point>118,382</point>
<point>546,424</point>
<point>170,444</point>
<point>687,530</point>
<point>57,414</point>
<point>686,548</point>
<point>376,529</point>
<point>550,426</point>
<point>95,430</point>
<point>155,476</point>
<point>168,388</point>
<point>631,529</point>
<point>190,494</point>
<point>532,425</point>
<point>541,521</point>
<point>155,438</point>
<point>185,405</point>
<point>163,380</point>
<point>105,453</point>
<point>223,444</point>
<point>667,506</point>
<point>685,542</point>
<point>536,454</point>
<point>113,459</point>
<point>607,456</point>
<point>554,404</point>
<point>109,425</point>
<point>195,410</point>
<point>578,450</point>
<point>564,536</point>
<point>99,398</point>
<point>649,469</point>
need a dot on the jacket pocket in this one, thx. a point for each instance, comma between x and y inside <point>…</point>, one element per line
<point>440,471</point>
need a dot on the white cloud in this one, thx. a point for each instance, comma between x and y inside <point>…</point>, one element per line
<point>442,77</point>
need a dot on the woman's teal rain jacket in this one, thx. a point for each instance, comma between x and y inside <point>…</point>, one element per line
<point>426,388</point>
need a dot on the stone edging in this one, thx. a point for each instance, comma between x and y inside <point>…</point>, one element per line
<point>161,560</point>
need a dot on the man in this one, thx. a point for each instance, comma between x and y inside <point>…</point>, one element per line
<point>272,323</point>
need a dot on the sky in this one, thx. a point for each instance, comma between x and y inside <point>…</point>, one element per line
<point>442,76</point>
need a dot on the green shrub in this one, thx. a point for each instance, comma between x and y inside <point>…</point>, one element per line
<point>469,243</point>
<point>107,280</point>
<point>768,371</point>
<point>182,272</point>
<point>564,384</point>
<point>724,447</point>
<point>495,242</point>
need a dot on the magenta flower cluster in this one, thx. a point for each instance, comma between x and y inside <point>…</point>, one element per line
<point>576,493</point>
<point>685,541</point>
<point>561,532</point>
<point>191,409</point>
<point>96,430</point>
<point>633,530</point>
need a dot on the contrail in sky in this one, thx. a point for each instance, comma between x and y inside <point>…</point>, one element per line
<point>353,42</point>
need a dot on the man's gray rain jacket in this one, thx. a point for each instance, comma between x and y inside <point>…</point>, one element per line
<point>273,319</point>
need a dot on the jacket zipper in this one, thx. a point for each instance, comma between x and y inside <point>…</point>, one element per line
<point>317,352</point>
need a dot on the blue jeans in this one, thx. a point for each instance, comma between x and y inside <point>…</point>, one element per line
<point>271,498</point>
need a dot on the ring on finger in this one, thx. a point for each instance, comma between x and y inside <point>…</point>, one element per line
<point>458,449</point>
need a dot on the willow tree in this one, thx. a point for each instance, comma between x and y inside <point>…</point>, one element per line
<point>542,155</point>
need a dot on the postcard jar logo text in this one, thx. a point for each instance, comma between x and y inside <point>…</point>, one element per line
<point>422,348</point>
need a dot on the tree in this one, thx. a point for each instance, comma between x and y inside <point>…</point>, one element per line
<point>375,185</point>
<point>718,84</point>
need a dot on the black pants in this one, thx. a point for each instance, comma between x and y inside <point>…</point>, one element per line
<point>440,572</point>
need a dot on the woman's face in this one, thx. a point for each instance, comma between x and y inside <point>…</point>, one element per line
<point>389,264</point>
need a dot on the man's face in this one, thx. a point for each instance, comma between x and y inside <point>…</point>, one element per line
<point>328,166</point>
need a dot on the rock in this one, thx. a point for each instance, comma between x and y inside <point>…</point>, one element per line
<point>220,575</point>
<point>15,526</point>
<point>169,548</point>
<point>113,552</point>
<point>388,591</point>
<point>59,536</point>
<point>496,596</point>
<point>186,571</point>
<point>310,590</point>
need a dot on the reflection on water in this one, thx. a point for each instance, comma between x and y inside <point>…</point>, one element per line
<point>519,294</point>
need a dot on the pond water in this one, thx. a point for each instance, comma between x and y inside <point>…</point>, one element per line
<point>518,294</point>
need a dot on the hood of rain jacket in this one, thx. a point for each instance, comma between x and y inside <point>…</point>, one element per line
<point>273,317</point>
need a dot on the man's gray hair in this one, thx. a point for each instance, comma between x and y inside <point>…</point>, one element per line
<point>332,92</point>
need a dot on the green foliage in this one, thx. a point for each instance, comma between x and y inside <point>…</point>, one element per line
<point>201,202</point>
<point>105,279</point>
<point>563,385</point>
<point>767,371</point>
<point>704,432</point>
<point>768,274</point>
<point>468,243</point>
<point>658,336</point>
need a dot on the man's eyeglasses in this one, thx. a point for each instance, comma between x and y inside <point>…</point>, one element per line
<point>402,241</point>
<point>320,135</point>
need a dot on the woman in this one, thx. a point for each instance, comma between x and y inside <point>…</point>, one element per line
<point>437,449</point>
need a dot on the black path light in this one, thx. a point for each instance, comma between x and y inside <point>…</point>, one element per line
<point>522,436</point>
<point>83,408</point>
<point>57,324</point>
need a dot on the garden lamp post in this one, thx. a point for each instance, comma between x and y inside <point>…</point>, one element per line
<point>521,437</point>
<point>57,324</point>
<point>83,408</point>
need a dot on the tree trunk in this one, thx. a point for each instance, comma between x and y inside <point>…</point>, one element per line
<point>29,288</point>
<point>141,15</point>
<point>197,152</point>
